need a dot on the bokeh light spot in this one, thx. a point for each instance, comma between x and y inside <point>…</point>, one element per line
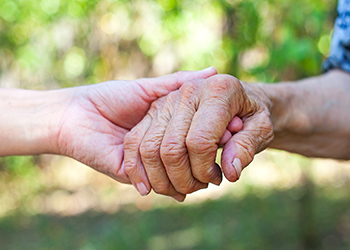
<point>50,6</point>
<point>74,62</point>
<point>167,4</point>
<point>323,44</point>
<point>76,9</point>
<point>109,23</point>
<point>9,11</point>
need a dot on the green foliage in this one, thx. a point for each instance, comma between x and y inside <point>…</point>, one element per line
<point>286,33</point>
<point>60,43</point>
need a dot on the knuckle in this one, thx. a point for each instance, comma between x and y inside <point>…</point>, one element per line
<point>220,83</point>
<point>129,167</point>
<point>188,89</point>
<point>172,150</point>
<point>199,143</point>
<point>149,150</point>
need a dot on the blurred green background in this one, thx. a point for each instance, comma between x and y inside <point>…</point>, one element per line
<point>282,201</point>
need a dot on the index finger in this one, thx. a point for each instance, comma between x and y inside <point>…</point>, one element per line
<point>209,125</point>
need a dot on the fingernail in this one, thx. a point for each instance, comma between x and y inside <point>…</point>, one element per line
<point>238,167</point>
<point>142,188</point>
<point>179,197</point>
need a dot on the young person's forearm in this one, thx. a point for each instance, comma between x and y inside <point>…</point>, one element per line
<point>312,117</point>
<point>28,121</point>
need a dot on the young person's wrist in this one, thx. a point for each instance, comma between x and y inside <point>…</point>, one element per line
<point>43,123</point>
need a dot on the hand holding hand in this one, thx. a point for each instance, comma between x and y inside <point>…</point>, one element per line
<point>173,149</point>
<point>97,118</point>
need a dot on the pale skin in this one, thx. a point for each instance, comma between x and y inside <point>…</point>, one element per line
<point>173,148</point>
<point>86,123</point>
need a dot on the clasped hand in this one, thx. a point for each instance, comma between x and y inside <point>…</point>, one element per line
<point>163,133</point>
<point>173,148</point>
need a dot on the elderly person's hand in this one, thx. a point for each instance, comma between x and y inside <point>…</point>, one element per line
<point>173,149</point>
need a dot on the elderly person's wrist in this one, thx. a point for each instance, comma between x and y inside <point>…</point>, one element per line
<point>309,116</point>
<point>278,97</point>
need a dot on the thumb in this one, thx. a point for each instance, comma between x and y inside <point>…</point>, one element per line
<point>239,151</point>
<point>163,85</point>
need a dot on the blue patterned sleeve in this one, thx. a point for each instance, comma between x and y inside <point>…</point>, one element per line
<point>339,56</point>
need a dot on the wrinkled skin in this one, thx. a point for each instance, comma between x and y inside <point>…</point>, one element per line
<point>173,149</point>
<point>96,118</point>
